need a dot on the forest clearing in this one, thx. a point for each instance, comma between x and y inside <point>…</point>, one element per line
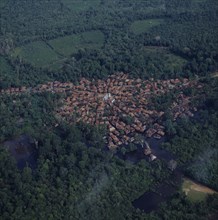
<point>196,191</point>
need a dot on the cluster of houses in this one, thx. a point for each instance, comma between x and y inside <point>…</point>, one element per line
<point>122,104</point>
<point>13,91</point>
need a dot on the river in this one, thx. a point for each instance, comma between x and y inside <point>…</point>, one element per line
<point>151,200</point>
<point>23,149</point>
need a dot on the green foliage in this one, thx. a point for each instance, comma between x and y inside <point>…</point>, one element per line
<point>93,39</point>
<point>205,168</point>
<point>180,208</point>
<point>82,178</point>
<point>7,74</point>
<point>76,178</point>
<point>195,141</point>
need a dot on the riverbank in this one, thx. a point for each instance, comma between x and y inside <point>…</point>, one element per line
<point>177,182</point>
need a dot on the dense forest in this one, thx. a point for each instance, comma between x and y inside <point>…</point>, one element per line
<point>76,176</point>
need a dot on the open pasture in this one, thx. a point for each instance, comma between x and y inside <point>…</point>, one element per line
<point>37,53</point>
<point>171,61</point>
<point>71,44</point>
<point>141,26</point>
<point>194,191</point>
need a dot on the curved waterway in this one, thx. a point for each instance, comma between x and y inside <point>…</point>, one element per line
<point>23,149</point>
<point>151,200</point>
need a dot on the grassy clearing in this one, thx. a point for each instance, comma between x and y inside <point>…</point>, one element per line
<point>71,44</point>
<point>36,53</point>
<point>195,192</point>
<point>142,26</point>
<point>214,75</point>
<point>171,61</point>
<point>56,65</point>
<point>81,5</point>
<point>40,54</point>
<point>175,62</point>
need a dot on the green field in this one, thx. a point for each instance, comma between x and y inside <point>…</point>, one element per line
<point>52,54</point>
<point>37,53</point>
<point>195,192</point>
<point>81,5</point>
<point>171,61</point>
<point>142,26</point>
<point>71,44</point>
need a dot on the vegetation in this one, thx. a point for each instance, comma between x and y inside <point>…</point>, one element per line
<point>77,5</point>
<point>64,40</point>
<point>6,72</point>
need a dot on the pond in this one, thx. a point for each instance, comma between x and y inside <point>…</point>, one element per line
<point>23,149</point>
<point>151,200</point>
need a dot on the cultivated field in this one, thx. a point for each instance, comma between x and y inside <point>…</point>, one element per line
<point>171,61</point>
<point>52,53</point>
<point>142,26</point>
<point>37,53</point>
<point>71,44</point>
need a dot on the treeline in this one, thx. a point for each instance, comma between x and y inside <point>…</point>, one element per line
<point>76,178</point>
<point>188,31</point>
<point>194,141</point>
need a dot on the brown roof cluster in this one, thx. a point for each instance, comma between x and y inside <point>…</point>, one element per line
<point>121,103</point>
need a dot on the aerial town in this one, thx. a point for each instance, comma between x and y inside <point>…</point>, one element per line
<point>122,104</point>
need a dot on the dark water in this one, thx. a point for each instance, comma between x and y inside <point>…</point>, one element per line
<point>155,144</point>
<point>158,151</point>
<point>23,149</point>
<point>151,200</point>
